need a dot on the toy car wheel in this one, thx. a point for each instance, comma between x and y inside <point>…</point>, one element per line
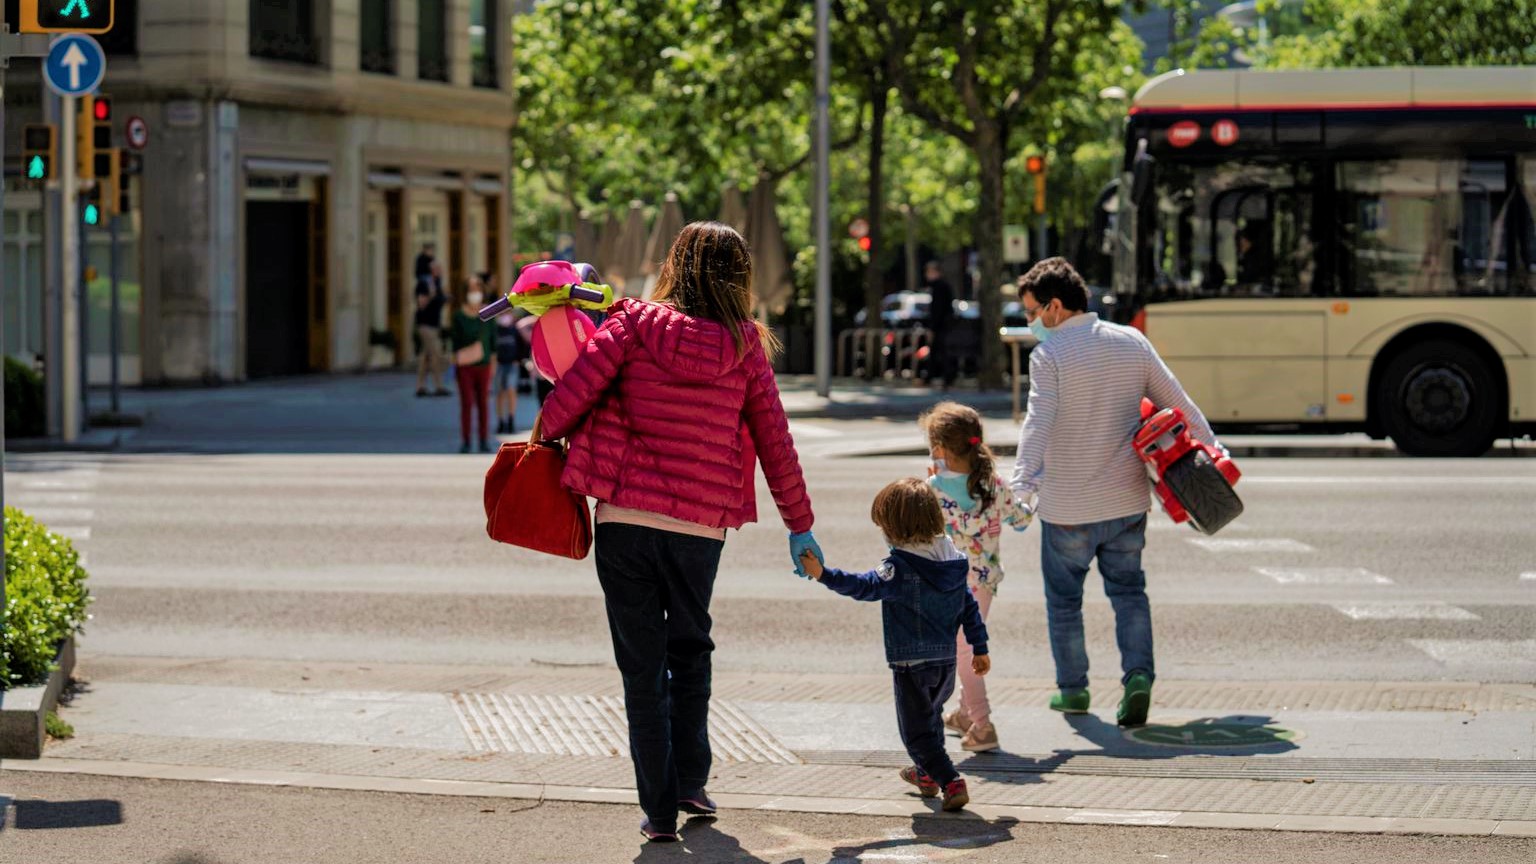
<point>1197,484</point>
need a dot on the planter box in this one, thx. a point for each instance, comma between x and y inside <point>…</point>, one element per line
<point>22,709</point>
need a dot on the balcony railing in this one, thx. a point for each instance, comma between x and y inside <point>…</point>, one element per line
<point>289,47</point>
<point>380,61</point>
<point>433,68</point>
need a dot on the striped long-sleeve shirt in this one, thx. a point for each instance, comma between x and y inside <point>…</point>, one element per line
<point>1086,384</point>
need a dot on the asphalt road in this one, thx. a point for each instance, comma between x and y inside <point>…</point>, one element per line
<point>166,822</point>
<point>1368,569</point>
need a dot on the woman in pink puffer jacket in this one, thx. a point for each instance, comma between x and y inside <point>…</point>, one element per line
<point>668,409</point>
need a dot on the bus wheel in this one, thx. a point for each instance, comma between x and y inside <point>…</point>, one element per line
<point>1439,398</point>
<point>1206,495</point>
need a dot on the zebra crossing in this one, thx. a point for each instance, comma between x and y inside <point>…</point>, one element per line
<point>59,493</point>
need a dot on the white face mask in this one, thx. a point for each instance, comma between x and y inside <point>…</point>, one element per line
<point>475,298</point>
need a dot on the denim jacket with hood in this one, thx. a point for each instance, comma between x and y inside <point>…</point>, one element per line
<point>924,599</point>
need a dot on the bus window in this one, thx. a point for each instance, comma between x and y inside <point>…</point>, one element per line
<point>1527,246</point>
<point>1233,229</point>
<point>1424,227</point>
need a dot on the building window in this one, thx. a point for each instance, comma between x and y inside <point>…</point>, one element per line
<point>284,30</point>
<point>482,43</point>
<point>378,37</point>
<point>432,40</point>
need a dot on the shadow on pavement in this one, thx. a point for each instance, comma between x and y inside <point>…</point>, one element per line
<point>1233,735</point>
<point>961,830</point>
<point>45,815</point>
<point>702,841</point>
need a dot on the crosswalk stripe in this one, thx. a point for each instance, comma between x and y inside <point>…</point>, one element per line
<point>1528,577</point>
<point>1323,576</point>
<point>1250,544</point>
<point>49,515</point>
<point>72,532</point>
<point>1406,612</point>
<point>1461,651</point>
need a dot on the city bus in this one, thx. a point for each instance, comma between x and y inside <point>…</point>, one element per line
<point>1340,250</point>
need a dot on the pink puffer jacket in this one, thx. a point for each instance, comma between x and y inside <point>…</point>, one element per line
<point>664,417</point>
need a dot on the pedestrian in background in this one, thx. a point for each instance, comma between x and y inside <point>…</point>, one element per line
<point>669,407</point>
<point>941,314</point>
<point>430,301</point>
<point>976,504</point>
<point>1086,381</point>
<point>509,367</point>
<point>474,359</point>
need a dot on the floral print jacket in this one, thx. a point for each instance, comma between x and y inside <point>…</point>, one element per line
<point>978,533</point>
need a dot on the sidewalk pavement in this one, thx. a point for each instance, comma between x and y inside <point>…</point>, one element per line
<point>1443,758</point>
<point>378,413</point>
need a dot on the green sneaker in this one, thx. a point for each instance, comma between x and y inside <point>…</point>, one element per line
<point>1136,701</point>
<point>1071,703</point>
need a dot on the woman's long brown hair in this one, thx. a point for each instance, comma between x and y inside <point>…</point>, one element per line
<point>708,274</point>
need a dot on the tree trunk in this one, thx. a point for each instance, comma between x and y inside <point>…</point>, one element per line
<point>873,289</point>
<point>991,152</point>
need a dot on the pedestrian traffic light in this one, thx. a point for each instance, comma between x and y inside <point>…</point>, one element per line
<point>865,243</point>
<point>85,138</point>
<point>66,16</point>
<point>39,144</point>
<point>1035,164</point>
<point>93,207</point>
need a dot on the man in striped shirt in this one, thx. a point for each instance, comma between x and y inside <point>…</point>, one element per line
<point>1086,382</point>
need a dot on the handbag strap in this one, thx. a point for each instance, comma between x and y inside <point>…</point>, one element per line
<point>538,428</point>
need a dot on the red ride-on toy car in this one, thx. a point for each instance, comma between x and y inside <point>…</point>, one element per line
<point>1193,480</point>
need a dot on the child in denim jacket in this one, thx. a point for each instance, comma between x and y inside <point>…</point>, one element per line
<point>924,599</point>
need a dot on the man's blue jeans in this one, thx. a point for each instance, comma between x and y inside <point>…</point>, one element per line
<point>1065,553</point>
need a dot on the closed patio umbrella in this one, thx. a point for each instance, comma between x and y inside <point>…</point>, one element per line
<point>607,241</point>
<point>669,222</point>
<point>733,208</point>
<point>772,279</point>
<point>624,272</point>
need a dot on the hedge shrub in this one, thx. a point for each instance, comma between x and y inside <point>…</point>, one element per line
<point>45,599</point>
<point>24,413</point>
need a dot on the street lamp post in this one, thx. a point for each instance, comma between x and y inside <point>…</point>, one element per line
<point>821,205</point>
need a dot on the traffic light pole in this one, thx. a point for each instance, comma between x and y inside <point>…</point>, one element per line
<point>69,281</point>
<point>117,323</point>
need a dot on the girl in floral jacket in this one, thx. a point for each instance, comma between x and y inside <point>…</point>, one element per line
<point>976,504</point>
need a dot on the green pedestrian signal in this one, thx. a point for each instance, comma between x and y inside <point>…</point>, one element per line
<point>37,169</point>
<point>92,214</point>
<point>65,16</point>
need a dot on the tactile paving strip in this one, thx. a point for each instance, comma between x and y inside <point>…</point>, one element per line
<point>1508,772</point>
<point>1323,798</point>
<point>596,726</point>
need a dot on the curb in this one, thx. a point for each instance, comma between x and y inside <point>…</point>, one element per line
<point>1247,451</point>
<point>794,803</point>
<point>23,709</point>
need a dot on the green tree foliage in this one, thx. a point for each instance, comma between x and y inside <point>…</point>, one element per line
<point>1401,33</point>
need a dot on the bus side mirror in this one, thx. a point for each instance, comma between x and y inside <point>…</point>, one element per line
<point>1141,174</point>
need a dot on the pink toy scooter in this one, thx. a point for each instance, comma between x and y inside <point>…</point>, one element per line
<point>554,291</point>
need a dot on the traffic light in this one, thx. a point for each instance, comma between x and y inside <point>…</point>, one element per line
<point>92,199</point>
<point>109,181</point>
<point>39,144</point>
<point>66,16</point>
<point>865,243</point>
<point>101,134</point>
<point>85,138</point>
<point>1036,166</point>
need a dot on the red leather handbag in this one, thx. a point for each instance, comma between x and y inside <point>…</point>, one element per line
<point>526,506</point>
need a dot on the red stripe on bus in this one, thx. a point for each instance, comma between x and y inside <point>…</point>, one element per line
<point>1334,106</point>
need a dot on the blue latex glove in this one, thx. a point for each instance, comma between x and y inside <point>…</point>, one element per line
<point>799,543</point>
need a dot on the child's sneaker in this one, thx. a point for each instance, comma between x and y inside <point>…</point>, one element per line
<point>980,738</point>
<point>956,796</point>
<point>654,835</point>
<point>956,721</point>
<point>926,786</point>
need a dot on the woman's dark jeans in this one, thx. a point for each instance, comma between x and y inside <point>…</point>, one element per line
<point>657,585</point>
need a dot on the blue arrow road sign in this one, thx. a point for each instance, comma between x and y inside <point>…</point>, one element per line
<point>75,65</point>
